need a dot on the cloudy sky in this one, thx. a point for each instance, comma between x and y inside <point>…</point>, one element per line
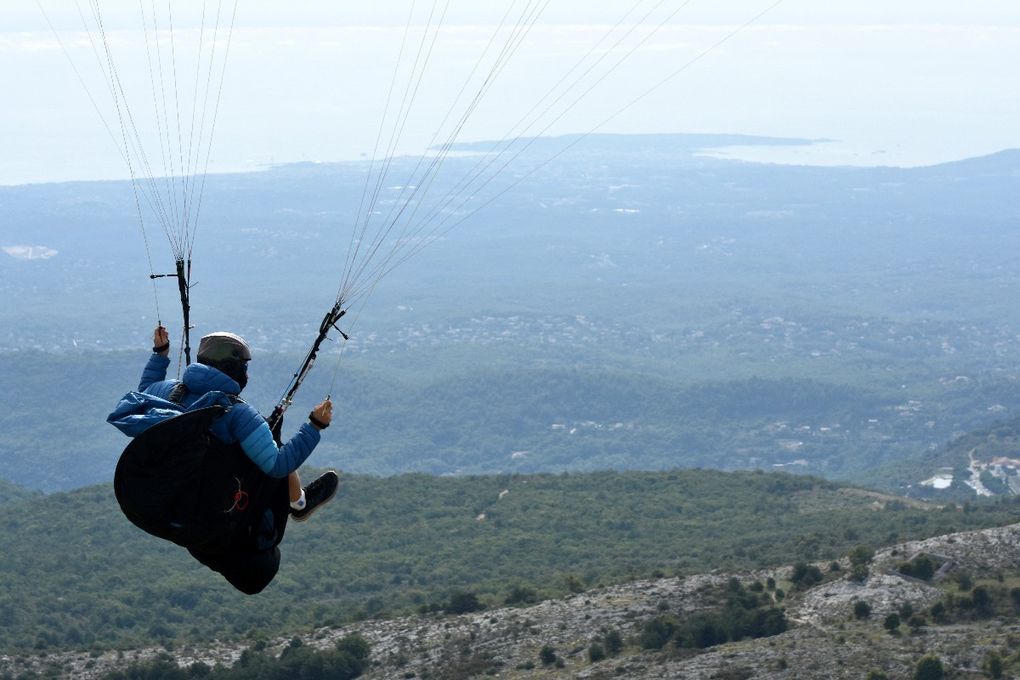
<point>905,83</point>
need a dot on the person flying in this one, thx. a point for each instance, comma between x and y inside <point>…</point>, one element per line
<point>249,562</point>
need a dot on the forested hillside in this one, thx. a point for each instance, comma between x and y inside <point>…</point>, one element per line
<point>11,493</point>
<point>501,419</point>
<point>78,575</point>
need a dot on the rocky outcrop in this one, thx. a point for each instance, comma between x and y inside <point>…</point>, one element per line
<point>825,639</point>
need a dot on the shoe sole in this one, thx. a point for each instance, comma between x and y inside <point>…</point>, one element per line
<point>327,499</point>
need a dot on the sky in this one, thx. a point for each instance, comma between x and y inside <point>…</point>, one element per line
<point>885,83</point>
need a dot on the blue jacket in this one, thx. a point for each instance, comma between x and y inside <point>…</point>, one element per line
<point>208,386</point>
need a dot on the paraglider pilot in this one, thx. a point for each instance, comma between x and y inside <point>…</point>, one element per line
<point>219,375</point>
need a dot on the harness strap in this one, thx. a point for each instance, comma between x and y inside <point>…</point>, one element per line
<point>178,393</point>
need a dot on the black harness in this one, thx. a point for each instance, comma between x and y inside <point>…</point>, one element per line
<point>179,482</point>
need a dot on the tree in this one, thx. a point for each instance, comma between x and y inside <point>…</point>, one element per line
<point>994,665</point>
<point>805,575</point>
<point>859,573</point>
<point>861,555</point>
<point>982,600</point>
<point>1014,596</point>
<point>862,610</point>
<point>614,642</point>
<point>921,567</point>
<point>929,668</point>
<point>520,595</point>
<point>658,631</point>
<point>464,603</point>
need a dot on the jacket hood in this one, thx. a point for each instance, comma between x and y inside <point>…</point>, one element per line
<point>201,379</point>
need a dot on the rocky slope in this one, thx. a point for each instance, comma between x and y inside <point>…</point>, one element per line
<point>824,639</point>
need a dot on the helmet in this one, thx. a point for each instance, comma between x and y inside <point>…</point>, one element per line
<point>228,353</point>
<point>223,346</point>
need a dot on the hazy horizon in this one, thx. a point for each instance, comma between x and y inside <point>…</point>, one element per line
<point>916,85</point>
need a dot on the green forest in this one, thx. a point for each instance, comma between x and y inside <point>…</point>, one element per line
<point>461,418</point>
<point>78,575</point>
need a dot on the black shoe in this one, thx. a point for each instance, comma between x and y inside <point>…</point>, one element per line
<point>317,494</point>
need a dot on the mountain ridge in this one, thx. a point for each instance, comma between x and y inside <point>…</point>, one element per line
<point>824,639</point>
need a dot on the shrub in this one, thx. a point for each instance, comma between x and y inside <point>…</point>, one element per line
<point>921,567</point>
<point>994,665</point>
<point>463,603</point>
<point>1014,596</point>
<point>613,642</point>
<point>929,668</point>
<point>982,599</point>
<point>806,575</point>
<point>862,610</point>
<point>861,555</point>
<point>859,573</point>
<point>656,632</point>
<point>520,595</point>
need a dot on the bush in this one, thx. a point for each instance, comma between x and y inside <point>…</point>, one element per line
<point>921,567</point>
<point>547,655</point>
<point>862,610</point>
<point>861,555</point>
<point>859,573</point>
<point>994,665</point>
<point>596,652</point>
<point>656,632</point>
<point>520,595</point>
<point>892,623</point>
<point>463,603</point>
<point>929,668</point>
<point>1014,596</point>
<point>614,642</point>
<point>806,575</point>
<point>982,600</point>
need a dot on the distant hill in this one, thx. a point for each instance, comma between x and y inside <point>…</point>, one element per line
<point>631,304</point>
<point>12,493</point>
<point>447,416</point>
